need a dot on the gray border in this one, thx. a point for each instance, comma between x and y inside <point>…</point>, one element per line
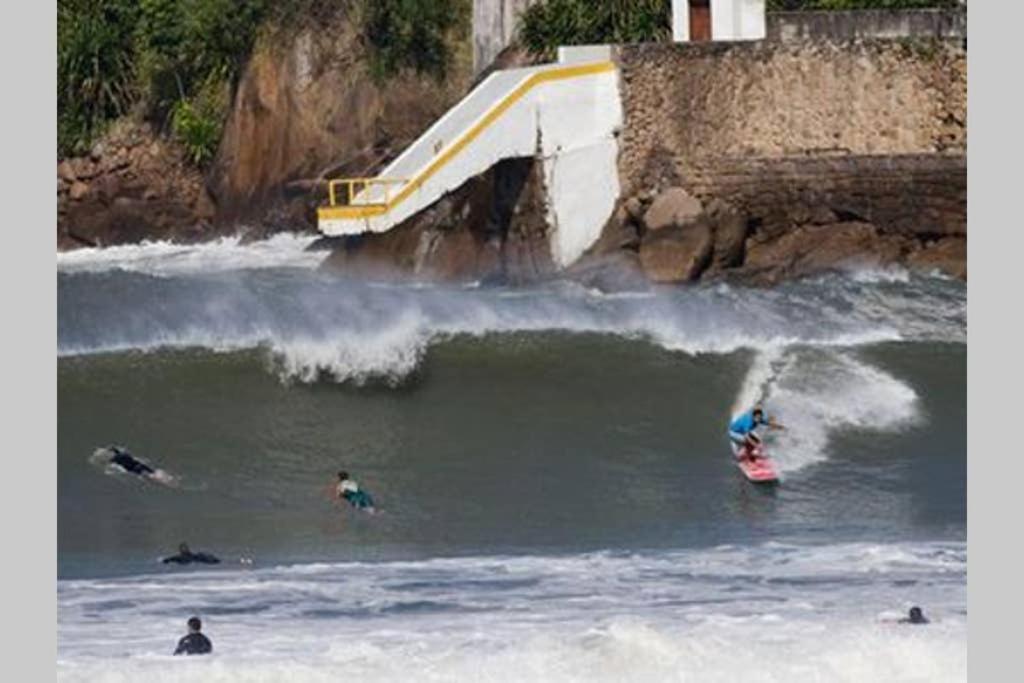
<point>28,36</point>
<point>993,491</point>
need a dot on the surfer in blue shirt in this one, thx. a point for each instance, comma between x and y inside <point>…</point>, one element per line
<point>743,430</point>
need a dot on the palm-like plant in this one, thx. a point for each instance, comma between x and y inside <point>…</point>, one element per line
<point>95,57</point>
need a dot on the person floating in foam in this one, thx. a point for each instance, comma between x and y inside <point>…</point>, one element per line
<point>195,643</point>
<point>915,616</point>
<point>348,490</point>
<point>186,556</point>
<point>743,432</point>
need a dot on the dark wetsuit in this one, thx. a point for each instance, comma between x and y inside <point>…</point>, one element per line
<point>128,463</point>
<point>194,644</point>
<point>190,557</point>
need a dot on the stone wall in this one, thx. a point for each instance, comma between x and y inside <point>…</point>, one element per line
<point>699,102</point>
<point>910,194</point>
<point>849,25</point>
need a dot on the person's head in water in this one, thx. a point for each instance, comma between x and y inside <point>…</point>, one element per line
<point>343,475</point>
<point>183,549</point>
<point>194,625</point>
<point>916,616</point>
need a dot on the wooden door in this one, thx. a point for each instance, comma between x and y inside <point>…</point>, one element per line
<point>700,19</point>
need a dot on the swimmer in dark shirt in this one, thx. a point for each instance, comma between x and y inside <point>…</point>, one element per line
<point>130,463</point>
<point>126,462</point>
<point>195,643</point>
<point>186,556</point>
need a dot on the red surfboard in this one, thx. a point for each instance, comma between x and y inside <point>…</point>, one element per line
<point>756,466</point>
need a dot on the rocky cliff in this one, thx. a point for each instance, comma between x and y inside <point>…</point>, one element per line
<point>307,106</point>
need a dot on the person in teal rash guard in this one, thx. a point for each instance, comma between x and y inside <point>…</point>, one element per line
<point>350,491</point>
<point>743,430</point>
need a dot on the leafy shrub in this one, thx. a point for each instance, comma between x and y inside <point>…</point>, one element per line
<point>546,25</point>
<point>411,34</point>
<point>95,68</point>
<point>198,122</point>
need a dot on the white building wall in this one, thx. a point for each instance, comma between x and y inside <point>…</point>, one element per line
<point>680,21</point>
<point>730,20</point>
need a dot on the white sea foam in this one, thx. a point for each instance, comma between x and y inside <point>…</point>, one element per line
<point>775,612</point>
<point>283,250</point>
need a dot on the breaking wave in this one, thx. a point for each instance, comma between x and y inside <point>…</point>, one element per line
<point>314,326</point>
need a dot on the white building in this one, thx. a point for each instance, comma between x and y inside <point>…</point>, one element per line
<point>694,20</point>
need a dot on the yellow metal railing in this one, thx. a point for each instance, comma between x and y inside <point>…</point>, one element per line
<point>365,183</point>
<point>368,209</point>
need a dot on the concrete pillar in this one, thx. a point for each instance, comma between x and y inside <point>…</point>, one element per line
<point>680,20</point>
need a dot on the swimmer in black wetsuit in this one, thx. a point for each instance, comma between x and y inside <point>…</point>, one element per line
<point>195,643</point>
<point>130,463</point>
<point>186,556</point>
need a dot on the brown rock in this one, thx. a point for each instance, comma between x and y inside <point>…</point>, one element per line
<point>634,208</point>
<point>947,255</point>
<point>674,206</point>
<point>204,208</point>
<point>65,171</point>
<point>811,250</point>
<point>730,232</point>
<point>78,190</point>
<point>676,254</point>
<point>81,168</point>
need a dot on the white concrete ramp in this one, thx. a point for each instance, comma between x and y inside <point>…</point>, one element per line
<point>567,114</point>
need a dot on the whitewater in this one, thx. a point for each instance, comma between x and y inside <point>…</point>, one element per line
<point>556,497</point>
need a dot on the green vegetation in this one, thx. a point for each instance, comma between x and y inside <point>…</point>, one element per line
<point>95,68</point>
<point>546,25</point>
<point>412,34</point>
<point>169,60</point>
<point>176,62</point>
<point>793,5</point>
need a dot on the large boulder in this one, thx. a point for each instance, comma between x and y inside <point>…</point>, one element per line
<point>676,254</point>
<point>673,207</point>
<point>809,250</point>
<point>948,255</point>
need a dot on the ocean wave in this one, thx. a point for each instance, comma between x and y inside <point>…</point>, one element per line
<point>313,326</point>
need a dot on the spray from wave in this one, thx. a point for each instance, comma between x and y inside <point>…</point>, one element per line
<point>817,393</point>
<point>314,326</point>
